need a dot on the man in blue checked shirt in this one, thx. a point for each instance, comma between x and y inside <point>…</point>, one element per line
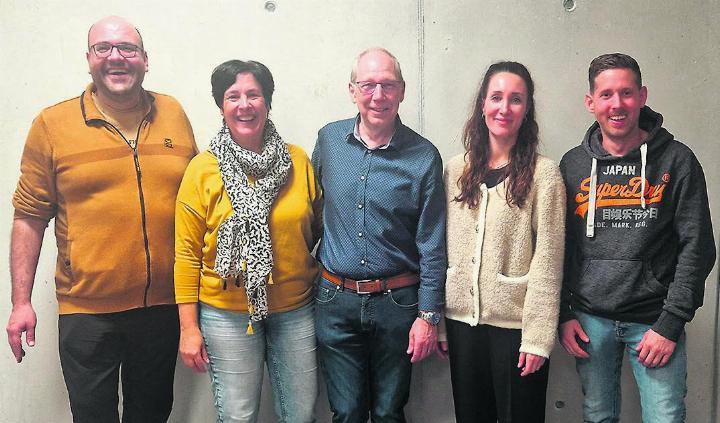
<point>381,293</point>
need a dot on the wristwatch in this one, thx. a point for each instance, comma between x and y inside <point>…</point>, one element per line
<point>432,317</point>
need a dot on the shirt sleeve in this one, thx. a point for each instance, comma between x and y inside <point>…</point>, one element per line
<point>190,229</point>
<point>318,199</point>
<point>36,193</point>
<point>430,239</point>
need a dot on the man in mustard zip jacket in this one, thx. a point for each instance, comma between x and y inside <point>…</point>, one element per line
<point>106,166</point>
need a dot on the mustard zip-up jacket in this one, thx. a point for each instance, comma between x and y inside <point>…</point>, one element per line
<point>113,205</point>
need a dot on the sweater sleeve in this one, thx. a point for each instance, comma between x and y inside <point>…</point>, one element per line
<point>36,194</point>
<point>696,254</point>
<point>190,229</point>
<point>542,299</point>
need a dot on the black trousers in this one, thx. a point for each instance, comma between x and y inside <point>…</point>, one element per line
<point>486,382</point>
<point>138,346</point>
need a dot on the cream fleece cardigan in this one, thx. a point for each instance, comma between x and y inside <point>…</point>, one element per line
<point>505,264</point>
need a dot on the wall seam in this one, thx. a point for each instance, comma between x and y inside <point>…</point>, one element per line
<point>714,400</point>
<point>421,64</point>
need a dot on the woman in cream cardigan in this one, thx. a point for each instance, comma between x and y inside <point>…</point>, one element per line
<point>505,237</point>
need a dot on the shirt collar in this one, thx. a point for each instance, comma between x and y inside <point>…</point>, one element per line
<point>395,139</point>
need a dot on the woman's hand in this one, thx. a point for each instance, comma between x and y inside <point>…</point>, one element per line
<point>192,350</point>
<point>530,363</point>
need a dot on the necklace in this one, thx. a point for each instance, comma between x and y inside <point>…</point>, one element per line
<point>499,166</point>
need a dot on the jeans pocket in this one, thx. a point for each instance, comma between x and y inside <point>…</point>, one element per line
<point>325,292</point>
<point>404,298</point>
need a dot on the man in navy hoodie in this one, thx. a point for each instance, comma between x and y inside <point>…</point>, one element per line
<point>639,246</point>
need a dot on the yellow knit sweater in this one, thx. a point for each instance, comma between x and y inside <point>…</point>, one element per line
<point>203,204</point>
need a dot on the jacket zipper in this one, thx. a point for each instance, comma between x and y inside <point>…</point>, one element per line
<point>138,175</point>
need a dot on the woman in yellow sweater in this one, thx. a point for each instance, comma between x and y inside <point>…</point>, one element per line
<point>246,222</point>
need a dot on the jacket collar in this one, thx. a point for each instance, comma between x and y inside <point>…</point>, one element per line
<point>91,114</point>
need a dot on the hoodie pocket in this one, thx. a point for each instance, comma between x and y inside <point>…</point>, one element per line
<point>618,286</point>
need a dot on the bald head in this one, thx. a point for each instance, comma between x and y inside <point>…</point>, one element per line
<point>375,51</point>
<point>115,23</point>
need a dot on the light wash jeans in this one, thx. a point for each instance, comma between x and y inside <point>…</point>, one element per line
<point>285,341</point>
<point>662,389</point>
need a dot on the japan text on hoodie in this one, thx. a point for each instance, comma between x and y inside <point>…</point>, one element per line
<point>639,240</point>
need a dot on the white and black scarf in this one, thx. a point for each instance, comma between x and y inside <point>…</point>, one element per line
<point>244,250</point>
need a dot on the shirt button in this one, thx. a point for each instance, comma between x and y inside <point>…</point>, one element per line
<point>360,206</point>
<point>362,262</point>
<point>360,234</point>
<point>477,228</point>
<point>473,260</point>
<point>362,177</point>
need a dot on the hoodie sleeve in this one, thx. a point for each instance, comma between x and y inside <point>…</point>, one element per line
<point>566,312</point>
<point>696,253</point>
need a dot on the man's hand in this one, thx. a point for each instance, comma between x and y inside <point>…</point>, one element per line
<point>192,350</point>
<point>569,332</point>
<point>654,349</point>
<point>22,319</point>
<point>530,363</point>
<point>422,340</point>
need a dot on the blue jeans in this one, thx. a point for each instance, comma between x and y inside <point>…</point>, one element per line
<point>662,389</point>
<point>362,345</point>
<point>285,341</point>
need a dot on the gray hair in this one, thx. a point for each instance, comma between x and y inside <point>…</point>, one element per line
<point>398,71</point>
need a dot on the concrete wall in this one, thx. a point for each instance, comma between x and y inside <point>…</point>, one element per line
<point>444,47</point>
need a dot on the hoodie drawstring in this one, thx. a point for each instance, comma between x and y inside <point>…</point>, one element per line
<point>590,226</point>
<point>643,162</point>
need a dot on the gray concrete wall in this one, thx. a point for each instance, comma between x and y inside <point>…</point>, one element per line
<point>444,47</point>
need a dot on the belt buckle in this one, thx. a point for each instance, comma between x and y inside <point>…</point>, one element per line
<point>357,286</point>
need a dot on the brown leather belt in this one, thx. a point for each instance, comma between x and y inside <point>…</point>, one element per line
<point>371,286</point>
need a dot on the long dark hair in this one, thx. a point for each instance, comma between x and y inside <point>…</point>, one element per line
<point>476,139</point>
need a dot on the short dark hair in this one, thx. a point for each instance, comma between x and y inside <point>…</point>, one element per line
<point>225,74</point>
<point>613,61</point>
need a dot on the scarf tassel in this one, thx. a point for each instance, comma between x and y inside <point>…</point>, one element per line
<point>250,328</point>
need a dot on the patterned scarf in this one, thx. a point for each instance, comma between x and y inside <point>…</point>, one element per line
<point>244,250</point>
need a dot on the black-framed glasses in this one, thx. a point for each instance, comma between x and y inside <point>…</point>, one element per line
<point>126,50</point>
<point>388,87</point>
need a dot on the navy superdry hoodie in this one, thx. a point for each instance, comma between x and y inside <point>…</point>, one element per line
<point>639,240</point>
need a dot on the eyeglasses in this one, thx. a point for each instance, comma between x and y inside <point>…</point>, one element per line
<point>388,87</point>
<point>126,50</point>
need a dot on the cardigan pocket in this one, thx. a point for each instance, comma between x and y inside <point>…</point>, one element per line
<point>510,298</point>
